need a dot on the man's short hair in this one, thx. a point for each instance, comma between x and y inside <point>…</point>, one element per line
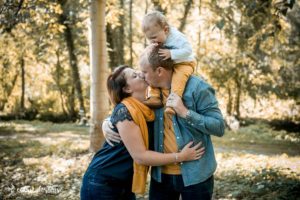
<point>156,60</point>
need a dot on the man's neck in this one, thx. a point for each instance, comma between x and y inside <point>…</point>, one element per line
<point>167,80</point>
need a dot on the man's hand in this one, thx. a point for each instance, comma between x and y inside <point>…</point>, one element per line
<point>165,53</point>
<point>109,134</point>
<point>176,102</point>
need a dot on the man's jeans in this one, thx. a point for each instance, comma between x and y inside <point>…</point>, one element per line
<point>172,187</point>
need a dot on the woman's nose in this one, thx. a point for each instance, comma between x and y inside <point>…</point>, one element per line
<point>141,75</point>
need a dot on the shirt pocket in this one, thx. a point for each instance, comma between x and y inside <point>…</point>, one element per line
<point>200,137</point>
<point>188,102</point>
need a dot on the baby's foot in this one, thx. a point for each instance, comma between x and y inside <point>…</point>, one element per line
<point>153,102</point>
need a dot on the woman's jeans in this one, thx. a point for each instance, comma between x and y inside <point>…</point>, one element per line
<point>172,187</point>
<point>97,187</point>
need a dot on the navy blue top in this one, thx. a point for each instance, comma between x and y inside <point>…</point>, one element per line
<point>115,161</point>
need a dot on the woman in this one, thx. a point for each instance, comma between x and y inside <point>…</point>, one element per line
<point>112,173</point>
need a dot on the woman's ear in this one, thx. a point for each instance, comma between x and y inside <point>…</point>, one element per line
<point>127,89</point>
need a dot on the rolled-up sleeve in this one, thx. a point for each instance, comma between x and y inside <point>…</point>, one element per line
<point>207,118</point>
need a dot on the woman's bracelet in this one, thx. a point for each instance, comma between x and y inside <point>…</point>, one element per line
<point>176,157</point>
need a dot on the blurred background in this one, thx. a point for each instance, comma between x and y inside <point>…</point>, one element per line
<point>249,51</point>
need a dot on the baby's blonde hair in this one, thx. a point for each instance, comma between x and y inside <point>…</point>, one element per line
<point>154,18</point>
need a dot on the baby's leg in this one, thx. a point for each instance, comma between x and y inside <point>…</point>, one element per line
<point>153,98</point>
<point>181,74</point>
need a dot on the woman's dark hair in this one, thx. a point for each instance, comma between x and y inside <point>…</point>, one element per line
<point>115,83</point>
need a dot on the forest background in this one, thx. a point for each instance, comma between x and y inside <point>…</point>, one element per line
<point>249,51</point>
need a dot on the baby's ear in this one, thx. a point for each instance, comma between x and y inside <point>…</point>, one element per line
<point>166,28</point>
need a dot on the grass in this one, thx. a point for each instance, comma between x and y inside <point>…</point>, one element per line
<point>43,160</point>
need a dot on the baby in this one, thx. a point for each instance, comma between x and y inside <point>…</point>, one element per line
<point>159,32</point>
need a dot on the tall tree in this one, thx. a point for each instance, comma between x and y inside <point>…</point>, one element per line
<point>157,6</point>
<point>115,34</point>
<point>98,64</point>
<point>22,101</point>
<point>130,31</point>
<point>68,35</point>
<point>187,7</point>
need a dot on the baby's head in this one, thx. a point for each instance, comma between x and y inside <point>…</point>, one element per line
<point>155,27</point>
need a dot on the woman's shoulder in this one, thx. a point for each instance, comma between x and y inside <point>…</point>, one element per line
<point>120,113</point>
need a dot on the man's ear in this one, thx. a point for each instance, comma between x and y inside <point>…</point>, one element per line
<point>127,89</point>
<point>160,70</point>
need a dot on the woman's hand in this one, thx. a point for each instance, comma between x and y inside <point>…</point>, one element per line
<point>189,153</point>
<point>175,102</point>
<point>109,134</point>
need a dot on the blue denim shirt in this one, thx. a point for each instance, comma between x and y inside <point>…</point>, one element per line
<point>203,120</point>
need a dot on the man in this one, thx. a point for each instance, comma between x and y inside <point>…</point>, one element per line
<point>197,118</point>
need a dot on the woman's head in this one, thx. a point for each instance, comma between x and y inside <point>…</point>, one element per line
<point>124,82</point>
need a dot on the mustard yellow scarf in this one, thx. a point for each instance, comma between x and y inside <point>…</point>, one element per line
<point>140,114</point>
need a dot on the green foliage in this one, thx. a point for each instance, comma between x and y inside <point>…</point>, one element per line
<point>246,49</point>
<point>260,62</point>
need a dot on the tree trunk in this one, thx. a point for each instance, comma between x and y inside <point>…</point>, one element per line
<point>198,57</point>
<point>71,103</point>
<point>121,34</point>
<point>9,91</point>
<point>158,7</point>
<point>74,66</point>
<point>130,31</point>
<point>146,11</point>
<point>188,6</point>
<point>57,80</point>
<point>111,38</point>
<point>229,103</point>
<point>98,64</point>
<point>22,65</point>
<point>238,96</point>
<point>72,57</point>
<point>115,38</point>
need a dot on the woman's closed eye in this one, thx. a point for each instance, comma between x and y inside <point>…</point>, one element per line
<point>134,75</point>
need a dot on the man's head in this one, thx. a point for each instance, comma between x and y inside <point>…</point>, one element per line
<point>155,27</point>
<point>157,71</point>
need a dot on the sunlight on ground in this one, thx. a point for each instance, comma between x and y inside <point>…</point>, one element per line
<point>19,127</point>
<point>47,161</point>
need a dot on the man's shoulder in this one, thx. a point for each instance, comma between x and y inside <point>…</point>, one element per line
<point>195,82</point>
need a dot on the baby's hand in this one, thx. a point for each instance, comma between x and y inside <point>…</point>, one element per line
<point>165,53</point>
